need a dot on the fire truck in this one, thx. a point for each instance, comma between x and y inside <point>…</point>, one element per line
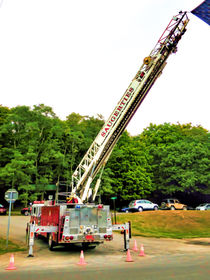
<point>84,222</point>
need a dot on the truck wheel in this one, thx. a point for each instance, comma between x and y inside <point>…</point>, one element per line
<point>184,208</point>
<point>51,243</point>
<point>140,209</point>
<point>172,208</point>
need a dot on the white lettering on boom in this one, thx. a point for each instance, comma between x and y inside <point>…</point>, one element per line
<point>118,111</point>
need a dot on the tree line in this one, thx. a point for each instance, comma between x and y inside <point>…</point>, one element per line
<point>38,149</point>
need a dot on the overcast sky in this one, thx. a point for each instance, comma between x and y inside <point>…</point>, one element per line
<point>80,56</point>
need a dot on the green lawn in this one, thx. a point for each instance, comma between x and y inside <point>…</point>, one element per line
<point>15,212</point>
<point>169,224</point>
<point>12,247</point>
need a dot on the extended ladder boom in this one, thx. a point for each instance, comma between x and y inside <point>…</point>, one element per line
<point>152,67</point>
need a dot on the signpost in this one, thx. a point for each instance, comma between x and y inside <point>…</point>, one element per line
<point>114,198</point>
<point>10,196</point>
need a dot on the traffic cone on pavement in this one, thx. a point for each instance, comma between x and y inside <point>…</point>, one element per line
<point>128,258</point>
<point>141,253</point>
<point>135,249</point>
<point>82,259</point>
<point>11,263</point>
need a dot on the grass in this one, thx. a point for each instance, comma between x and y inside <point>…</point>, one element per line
<point>15,212</point>
<point>12,247</point>
<point>169,224</point>
<point>159,224</point>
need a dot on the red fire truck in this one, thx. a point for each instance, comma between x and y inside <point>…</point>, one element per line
<point>64,223</point>
<point>84,222</point>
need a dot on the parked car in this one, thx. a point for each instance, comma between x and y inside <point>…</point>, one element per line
<point>125,210</point>
<point>190,207</point>
<point>26,211</point>
<point>204,206</point>
<point>172,204</point>
<point>141,205</point>
<point>3,210</point>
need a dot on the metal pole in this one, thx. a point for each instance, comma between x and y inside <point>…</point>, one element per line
<point>10,202</point>
<point>31,240</point>
<point>125,243</point>
<point>115,219</point>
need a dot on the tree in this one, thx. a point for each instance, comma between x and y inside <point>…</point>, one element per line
<point>29,148</point>
<point>131,177</point>
<point>4,111</point>
<point>184,168</point>
<point>89,127</point>
<point>17,174</point>
<point>37,149</point>
<point>180,157</point>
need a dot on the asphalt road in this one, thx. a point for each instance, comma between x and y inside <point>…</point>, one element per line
<point>165,259</point>
<point>173,267</point>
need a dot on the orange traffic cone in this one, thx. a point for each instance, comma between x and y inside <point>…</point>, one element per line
<point>128,258</point>
<point>135,249</point>
<point>11,263</point>
<point>82,259</point>
<point>141,253</point>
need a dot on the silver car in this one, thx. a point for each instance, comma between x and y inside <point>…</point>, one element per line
<point>204,206</point>
<point>142,204</point>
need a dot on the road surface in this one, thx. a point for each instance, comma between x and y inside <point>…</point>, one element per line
<point>165,259</point>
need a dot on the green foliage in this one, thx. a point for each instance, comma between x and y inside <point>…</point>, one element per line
<point>131,178</point>
<point>184,167</point>
<point>4,111</point>
<point>180,157</point>
<point>38,149</point>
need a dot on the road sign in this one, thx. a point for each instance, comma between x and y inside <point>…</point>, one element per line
<point>114,197</point>
<point>11,195</point>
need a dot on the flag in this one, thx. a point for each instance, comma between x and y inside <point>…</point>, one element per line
<point>203,11</point>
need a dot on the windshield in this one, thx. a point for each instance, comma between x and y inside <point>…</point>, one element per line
<point>132,202</point>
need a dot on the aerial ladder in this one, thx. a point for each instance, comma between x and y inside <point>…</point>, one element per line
<point>101,148</point>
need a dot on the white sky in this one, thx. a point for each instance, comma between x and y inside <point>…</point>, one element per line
<point>80,56</point>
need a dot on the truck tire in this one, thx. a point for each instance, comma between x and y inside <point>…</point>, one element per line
<point>51,243</point>
<point>172,208</point>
